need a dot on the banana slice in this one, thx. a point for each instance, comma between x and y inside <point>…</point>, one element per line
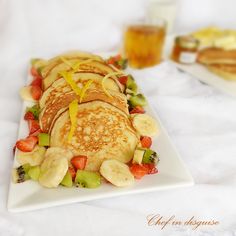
<point>117,173</point>
<point>145,125</point>
<point>25,94</point>
<point>59,152</point>
<point>138,156</point>
<point>53,170</point>
<point>33,158</point>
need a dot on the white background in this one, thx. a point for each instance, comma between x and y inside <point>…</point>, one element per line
<point>200,119</point>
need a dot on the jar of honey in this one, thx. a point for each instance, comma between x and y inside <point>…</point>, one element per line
<point>185,49</point>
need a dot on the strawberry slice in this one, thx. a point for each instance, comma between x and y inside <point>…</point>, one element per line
<point>146,142</point>
<point>137,109</point>
<point>151,168</point>
<point>34,72</point>
<point>72,172</point>
<point>123,79</point>
<point>138,171</point>
<point>36,92</point>
<point>29,116</point>
<point>37,82</point>
<point>79,162</point>
<point>27,144</point>
<point>33,126</point>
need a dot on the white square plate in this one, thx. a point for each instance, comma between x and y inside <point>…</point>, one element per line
<point>202,73</point>
<point>172,173</point>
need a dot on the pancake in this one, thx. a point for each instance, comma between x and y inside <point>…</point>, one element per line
<point>56,106</point>
<point>102,132</point>
<point>212,55</point>
<point>60,86</point>
<point>87,66</point>
<point>69,55</point>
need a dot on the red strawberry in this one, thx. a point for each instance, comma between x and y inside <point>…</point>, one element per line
<point>36,92</point>
<point>123,79</point>
<point>29,116</point>
<point>138,171</point>
<point>146,142</point>
<point>33,126</point>
<point>72,172</point>
<point>27,144</point>
<point>34,72</point>
<point>151,168</point>
<point>37,82</point>
<point>137,109</point>
<point>79,162</point>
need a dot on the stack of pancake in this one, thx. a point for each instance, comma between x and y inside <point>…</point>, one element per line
<point>103,127</point>
<point>220,61</point>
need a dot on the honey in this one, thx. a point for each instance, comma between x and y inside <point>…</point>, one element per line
<point>185,50</point>
<point>143,45</point>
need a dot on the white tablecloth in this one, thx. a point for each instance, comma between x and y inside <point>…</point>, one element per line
<point>200,120</point>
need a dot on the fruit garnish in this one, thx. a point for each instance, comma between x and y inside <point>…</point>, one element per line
<point>137,100</point>
<point>87,179</point>
<point>146,141</point>
<point>151,168</point>
<point>117,173</point>
<point>123,79</point>
<point>37,82</point>
<point>34,172</point>
<point>138,110</point>
<point>145,125</point>
<point>79,162</point>
<point>84,89</point>
<point>72,172</point>
<point>138,171</point>
<point>34,158</point>
<point>33,126</point>
<point>25,93</point>
<point>118,62</point>
<point>150,157</point>
<point>67,180</point>
<point>29,116</point>
<point>131,85</point>
<point>36,92</point>
<point>20,174</point>
<point>35,110</point>
<point>138,156</point>
<point>104,79</point>
<point>27,144</point>
<point>68,78</point>
<point>34,72</point>
<point>44,139</point>
<point>73,110</point>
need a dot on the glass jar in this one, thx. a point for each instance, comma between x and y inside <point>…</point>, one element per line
<point>185,49</point>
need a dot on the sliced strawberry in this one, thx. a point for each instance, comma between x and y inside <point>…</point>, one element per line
<point>151,168</point>
<point>27,144</point>
<point>146,142</point>
<point>34,72</point>
<point>37,82</point>
<point>117,57</point>
<point>123,79</point>
<point>72,172</point>
<point>79,162</point>
<point>36,92</point>
<point>33,126</point>
<point>29,116</point>
<point>36,133</point>
<point>137,109</point>
<point>138,171</point>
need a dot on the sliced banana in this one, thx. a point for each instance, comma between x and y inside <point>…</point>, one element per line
<point>145,125</point>
<point>59,152</point>
<point>33,158</point>
<point>25,94</point>
<point>138,156</point>
<point>117,173</point>
<point>53,170</point>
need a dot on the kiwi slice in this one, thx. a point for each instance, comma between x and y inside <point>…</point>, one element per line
<point>67,180</point>
<point>87,179</point>
<point>137,100</point>
<point>34,172</point>
<point>44,139</point>
<point>20,174</point>
<point>150,156</point>
<point>131,85</point>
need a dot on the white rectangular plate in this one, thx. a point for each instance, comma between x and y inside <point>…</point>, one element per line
<point>202,73</point>
<point>30,195</point>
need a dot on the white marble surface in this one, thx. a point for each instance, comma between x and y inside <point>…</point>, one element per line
<point>200,120</point>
